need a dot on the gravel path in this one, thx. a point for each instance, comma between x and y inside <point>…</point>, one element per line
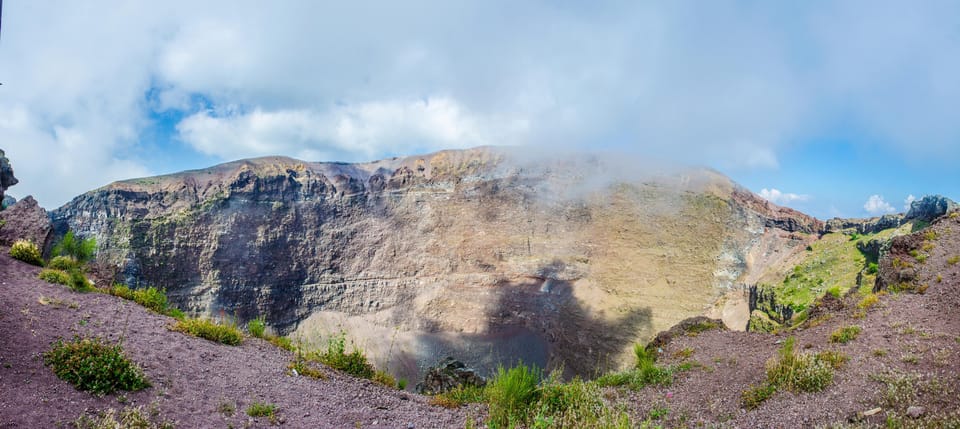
<point>193,379</point>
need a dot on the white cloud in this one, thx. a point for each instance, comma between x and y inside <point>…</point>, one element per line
<point>782,198</point>
<point>360,132</point>
<point>875,205</point>
<point>349,80</point>
<point>908,201</point>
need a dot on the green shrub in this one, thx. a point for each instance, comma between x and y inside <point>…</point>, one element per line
<point>798,371</point>
<point>65,263</point>
<point>354,363</point>
<point>510,393</point>
<point>845,334</point>
<point>459,396</point>
<point>872,268</point>
<point>576,404</point>
<point>210,330</point>
<point>755,395</point>
<point>55,276</point>
<point>27,252</point>
<point>73,279</point>
<point>834,291</point>
<point>402,384</point>
<point>259,409</point>
<point>91,365</point>
<point>79,282</point>
<point>152,298</point>
<point>953,260</point>
<point>257,327</point>
<point>79,249</point>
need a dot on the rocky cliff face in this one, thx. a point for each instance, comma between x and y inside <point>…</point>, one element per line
<point>474,254</point>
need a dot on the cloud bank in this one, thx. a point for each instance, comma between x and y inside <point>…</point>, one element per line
<point>732,86</point>
<point>876,206</point>
<point>775,196</point>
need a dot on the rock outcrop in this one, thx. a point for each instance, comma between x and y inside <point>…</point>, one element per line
<point>925,209</point>
<point>6,179</point>
<point>479,254</point>
<point>930,207</point>
<point>447,375</point>
<point>26,220</point>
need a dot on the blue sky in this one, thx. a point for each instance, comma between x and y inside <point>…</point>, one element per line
<point>836,108</point>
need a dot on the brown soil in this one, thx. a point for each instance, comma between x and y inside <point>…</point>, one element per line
<point>909,336</point>
<point>192,378</point>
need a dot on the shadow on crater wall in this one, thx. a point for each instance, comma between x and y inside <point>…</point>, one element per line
<point>540,322</point>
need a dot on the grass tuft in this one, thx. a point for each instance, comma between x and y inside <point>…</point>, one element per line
<point>510,393</point>
<point>260,409</point>
<point>210,330</point>
<point>868,301</point>
<point>91,365</point>
<point>257,327</point>
<point>152,298</point>
<point>459,396</point>
<point>354,363</point>
<point>845,334</point>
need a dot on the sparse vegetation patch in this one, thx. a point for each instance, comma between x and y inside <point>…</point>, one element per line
<point>845,334</point>
<point>794,371</point>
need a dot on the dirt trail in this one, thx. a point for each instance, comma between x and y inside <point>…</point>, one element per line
<point>192,378</point>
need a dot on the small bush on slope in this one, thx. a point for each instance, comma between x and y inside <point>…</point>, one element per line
<point>151,298</point>
<point>91,365</point>
<point>210,330</point>
<point>73,279</point>
<point>64,263</point>
<point>27,252</point>
<point>257,327</point>
<point>354,363</point>
<point>54,276</point>
<point>646,372</point>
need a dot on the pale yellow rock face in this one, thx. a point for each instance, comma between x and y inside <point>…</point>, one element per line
<point>479,254</point>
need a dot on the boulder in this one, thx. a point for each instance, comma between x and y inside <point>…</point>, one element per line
<point>7,201</point>
<point>930,207</point>
<point>448,375</point>
<point>690,326</point>
<point>26,220</point>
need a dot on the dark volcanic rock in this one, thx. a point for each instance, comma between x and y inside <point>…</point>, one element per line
<point>930,207</point>
<point>26,220</point>
<point>865,226</point>
<point>6,177</point>
<point>448,375</point>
